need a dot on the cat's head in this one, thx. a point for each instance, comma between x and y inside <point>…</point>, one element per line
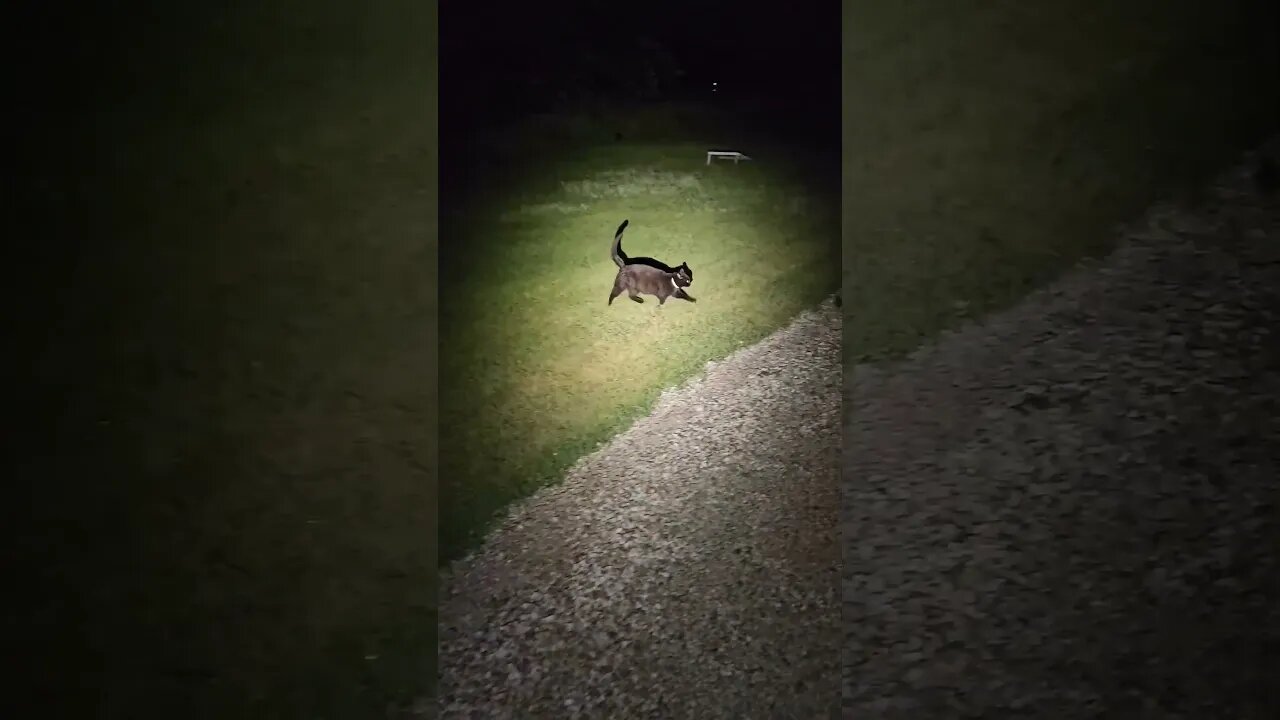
<point>684,275</point>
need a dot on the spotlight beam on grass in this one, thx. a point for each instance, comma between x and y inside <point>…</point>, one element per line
<point>536,369</point>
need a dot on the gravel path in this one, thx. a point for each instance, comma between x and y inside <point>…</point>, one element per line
<point>689,569</point>
<point>1072,509</point>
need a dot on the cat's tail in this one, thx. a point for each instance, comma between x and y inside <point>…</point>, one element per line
<point>619,257</point>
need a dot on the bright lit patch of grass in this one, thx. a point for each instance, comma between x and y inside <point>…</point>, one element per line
<point>537,368</point>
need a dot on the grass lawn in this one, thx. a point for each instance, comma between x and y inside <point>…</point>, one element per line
<point>536,368</point>
<point>989,145</point>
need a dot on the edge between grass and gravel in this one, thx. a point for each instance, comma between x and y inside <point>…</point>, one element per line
<point>537,370</point>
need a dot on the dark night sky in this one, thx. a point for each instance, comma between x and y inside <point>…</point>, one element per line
<point>783,54</point>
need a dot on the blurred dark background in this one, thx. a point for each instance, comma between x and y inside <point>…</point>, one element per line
<point>221,306</point>
<point>574,73</point>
